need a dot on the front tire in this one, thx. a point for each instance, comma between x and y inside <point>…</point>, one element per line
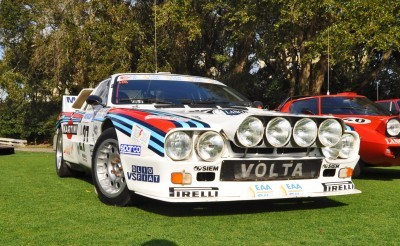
<point>62,168</point>
<point>107,172</point>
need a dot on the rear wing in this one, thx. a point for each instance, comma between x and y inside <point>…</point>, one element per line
<point>72,103</point>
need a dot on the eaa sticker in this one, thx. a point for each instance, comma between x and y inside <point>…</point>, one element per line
<point>261,190</point>
<point>141,135</point>
<point>292,189</point>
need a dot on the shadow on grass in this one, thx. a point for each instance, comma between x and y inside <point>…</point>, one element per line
<point>380,173</point>
<point>228,208</point>
<point>239,207</point>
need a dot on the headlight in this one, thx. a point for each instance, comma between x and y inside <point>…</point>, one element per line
<point>178,145</point>
<point>348,145</point>
<point>329,132</point>
<point>210,146</point>
<point>333,151</point>
<point>393,127</point>
<point>278,132</point>
<point>250,132</point>
<point>305,132</point>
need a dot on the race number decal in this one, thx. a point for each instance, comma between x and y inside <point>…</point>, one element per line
<point>354,120</point>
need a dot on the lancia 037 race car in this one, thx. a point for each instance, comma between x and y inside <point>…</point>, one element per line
<point>379,130</point>
<point>181,138</point>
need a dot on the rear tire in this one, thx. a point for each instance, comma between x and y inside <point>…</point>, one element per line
<point>62,169</point>
<point>107,172</point>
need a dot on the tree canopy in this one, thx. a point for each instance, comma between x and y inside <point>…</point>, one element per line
<point>267,49</point>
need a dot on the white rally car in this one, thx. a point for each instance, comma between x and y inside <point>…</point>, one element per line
<point>182,138</point>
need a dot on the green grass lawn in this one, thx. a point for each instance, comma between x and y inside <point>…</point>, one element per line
<point>39,208</point>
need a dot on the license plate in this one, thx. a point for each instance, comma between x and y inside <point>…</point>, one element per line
<point>262,170</point>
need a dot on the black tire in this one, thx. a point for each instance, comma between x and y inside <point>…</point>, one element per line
<point>358,169</point>
<point>107,172</point>
<point>62,169</point>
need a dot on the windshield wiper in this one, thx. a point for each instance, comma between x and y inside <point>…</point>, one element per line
<point>145,100</point>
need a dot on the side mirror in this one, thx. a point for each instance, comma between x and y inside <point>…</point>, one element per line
<point>94,100</point>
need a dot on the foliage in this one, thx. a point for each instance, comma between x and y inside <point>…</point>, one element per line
<point>259,47</point>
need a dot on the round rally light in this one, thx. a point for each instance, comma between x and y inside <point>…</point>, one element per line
<point>393,127</point>
<point>210,146</point>
<point>333,151</point>
<point>178,145</point>
<point>348,146</point>
<point>250,132</point>
<point>330,132</point>
<point>305,132</point>
<point>278,131</point>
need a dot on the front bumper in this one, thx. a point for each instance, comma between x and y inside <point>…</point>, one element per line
<point>151,177</point>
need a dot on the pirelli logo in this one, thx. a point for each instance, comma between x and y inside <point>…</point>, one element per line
<point>191,192</point>
<point>338,186</point>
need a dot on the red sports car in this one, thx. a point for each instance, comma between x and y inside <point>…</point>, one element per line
<point>378,128</point>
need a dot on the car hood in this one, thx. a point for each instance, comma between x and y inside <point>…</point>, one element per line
<point>219,119</point>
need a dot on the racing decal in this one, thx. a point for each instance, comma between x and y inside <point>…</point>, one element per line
<point>206,168</point>
<point>130,149</point>
<point>166,117</point>
<point>101,114</point>
<point>70,129</point>
<point>392,140</point>
<point>338,186</point>
<point>188,123</point>
<point>88,117</point>
<point>143,174</point>
<point>354,120</point>
<point>292,189</point>
<point>140,135</point>
<point>125,123</point>
<point>229,111</point>
<point>261,190</point>
<point>349,128</point>
<point>192,192</point>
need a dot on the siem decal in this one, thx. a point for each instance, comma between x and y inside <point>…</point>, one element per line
<point>330,165</point>
<point>206,168</point>
<point>193,192</point>
<point>130,149</point>
<point>338,186</point>
<point>143,174</point>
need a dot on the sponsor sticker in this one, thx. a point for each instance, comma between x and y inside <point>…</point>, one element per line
<point>166,117</point>
<point>141,135</point>
<point>130,149</point>
<point>192,192</point>
<point>206,168</point>
<point>70,129</point>
<point>87,118</point>
<point>292,189</point>
<point>338,186</point>
<point>261,190</point>
<point>143,174</point>
<point>330,166</point>
<point>392,140</point>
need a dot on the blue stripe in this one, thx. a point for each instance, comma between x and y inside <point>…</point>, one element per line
<point>125,122</point>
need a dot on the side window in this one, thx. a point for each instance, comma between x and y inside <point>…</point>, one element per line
<point>102,92</point>
<point>307,106</point>
<point>387,105</point>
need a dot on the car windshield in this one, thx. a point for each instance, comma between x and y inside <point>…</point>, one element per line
<point>351,105</point>
<point>176,93</point>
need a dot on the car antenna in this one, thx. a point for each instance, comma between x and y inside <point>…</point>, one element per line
<point>327,93</point>
<point>155,33</point>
